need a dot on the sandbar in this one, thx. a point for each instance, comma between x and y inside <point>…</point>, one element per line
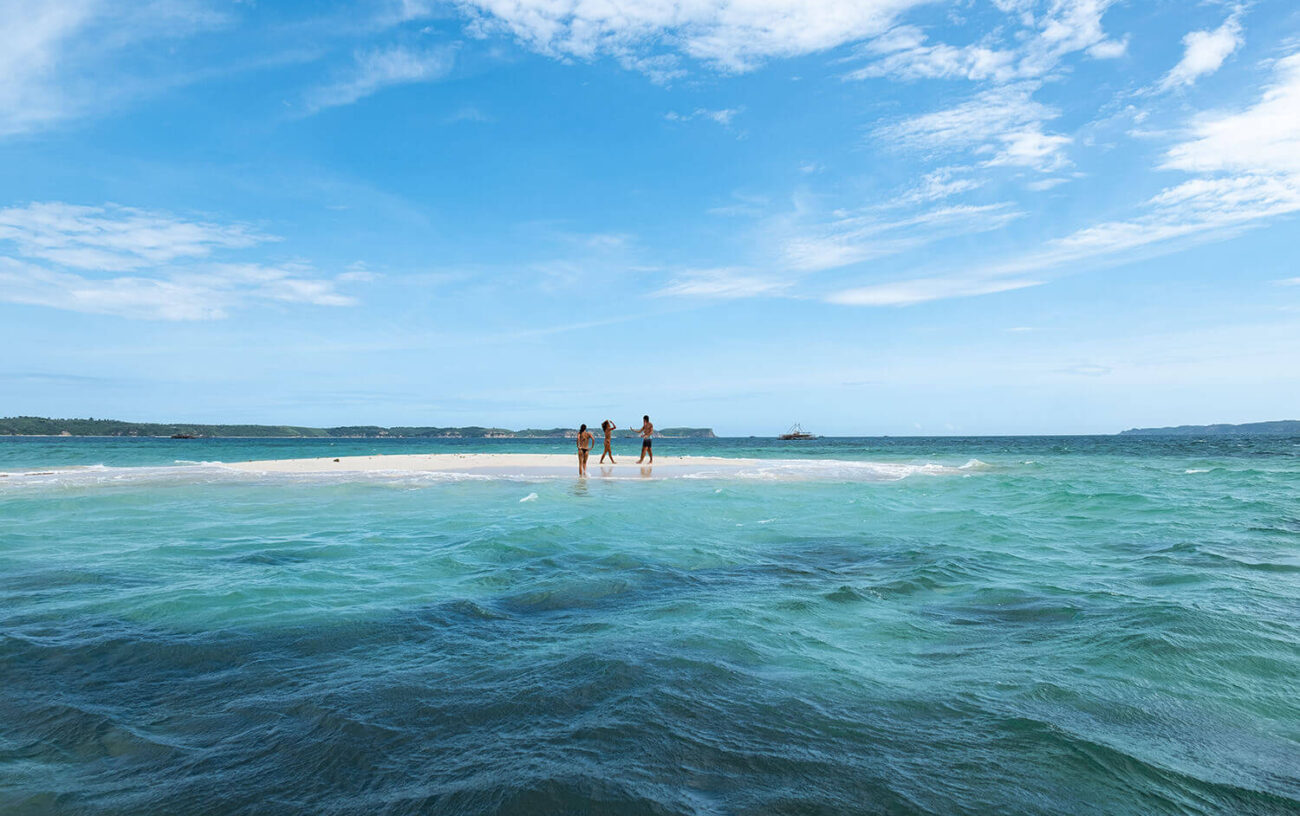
<point>496,464</point>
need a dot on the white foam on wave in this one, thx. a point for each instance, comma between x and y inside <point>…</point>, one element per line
<point>528,498</point>
<point>198,473</point>
<point>96,475</point>
<point>837,470</point>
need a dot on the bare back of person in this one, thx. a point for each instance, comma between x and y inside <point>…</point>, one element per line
<point>585,442</point>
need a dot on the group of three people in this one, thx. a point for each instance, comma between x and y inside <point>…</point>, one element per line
<point>586,440</point>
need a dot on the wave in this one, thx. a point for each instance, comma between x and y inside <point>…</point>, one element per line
<point>207,473</point>
<point>837,470</point>
<point>214,472</point>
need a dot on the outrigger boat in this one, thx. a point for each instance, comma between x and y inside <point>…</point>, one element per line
<point>797,432</point>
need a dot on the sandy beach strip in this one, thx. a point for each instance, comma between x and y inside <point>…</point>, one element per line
<point>539,464</point>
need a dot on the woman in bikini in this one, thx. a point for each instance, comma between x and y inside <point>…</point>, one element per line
<point>585,441</point>
<point>608,427</point>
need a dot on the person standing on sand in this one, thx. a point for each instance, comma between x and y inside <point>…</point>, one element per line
<point>608,427</point>
<point>647,431</point>
<point>585,441</point>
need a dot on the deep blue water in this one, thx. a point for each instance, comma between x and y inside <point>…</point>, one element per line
<point>1092,625</point>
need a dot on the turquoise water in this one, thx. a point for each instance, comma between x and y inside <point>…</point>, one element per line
<point>1037,625</point>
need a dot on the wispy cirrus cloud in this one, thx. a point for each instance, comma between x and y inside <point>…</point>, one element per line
<point>1246,171</point>
<point>810,244</point>
<point>203,293</point>
<point>374,70</point>
<point>939,184</point>
<point>920,290</point>
<point>727,283</point>
<point>1033,43</point>
<point>730,35</point>
<point>905,53</point>
<point>797,246</point>
<point>114,238</point>
<point>143,264</point>
<point>722,116</point>
<point>53,54</point>
<point>1004,124</point>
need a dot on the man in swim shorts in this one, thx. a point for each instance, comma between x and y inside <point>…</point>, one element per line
<point>647,431</point>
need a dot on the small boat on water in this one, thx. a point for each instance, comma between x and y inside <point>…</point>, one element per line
<point>797,432</point>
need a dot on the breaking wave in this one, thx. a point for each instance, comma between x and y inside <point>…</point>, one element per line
<point>775,470</point>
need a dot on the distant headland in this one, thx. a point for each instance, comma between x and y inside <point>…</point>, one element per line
<point>1284,427</point>
<point>44,426</point>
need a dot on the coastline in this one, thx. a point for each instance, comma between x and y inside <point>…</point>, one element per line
<point>526,464</point>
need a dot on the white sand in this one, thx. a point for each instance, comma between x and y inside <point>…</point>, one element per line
<point>495,464</point>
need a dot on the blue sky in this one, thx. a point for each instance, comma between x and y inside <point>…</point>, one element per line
<point>868,216</point>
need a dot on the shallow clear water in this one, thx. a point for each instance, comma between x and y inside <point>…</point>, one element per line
<point>1066,625</point>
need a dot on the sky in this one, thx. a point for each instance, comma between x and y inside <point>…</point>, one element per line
<point>866,216</point>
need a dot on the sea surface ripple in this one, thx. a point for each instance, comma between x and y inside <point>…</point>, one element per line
<point>1075,625</point>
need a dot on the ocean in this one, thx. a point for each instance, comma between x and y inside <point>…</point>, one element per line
<point>1045,625</point>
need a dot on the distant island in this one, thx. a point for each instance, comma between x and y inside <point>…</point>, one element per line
<point>44,426</point>
<point>1283,427</point>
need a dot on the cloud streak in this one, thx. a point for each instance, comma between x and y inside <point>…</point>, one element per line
<point>53,54</point>
<point>143,264</point>
<point>1003,124</point>
<point>115,238</point>
<point>375,70</point>
<point>724,284</point>
<point>1040,41</point>
<point>1246,168</point>
<point>730,35</point>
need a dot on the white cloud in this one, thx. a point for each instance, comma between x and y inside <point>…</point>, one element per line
<point>1003,121</point>
<point>939,184</point>
<point>722,116</point>
<point>1204,53</point>
<point>52,54</point>
<point>1038,45</point>
<point>733,35</point>
<point>32,37</point>
<point>1195,211</point>
<point>851,238</point>
<point>114,238</point>
<point>1065,27</point>
<point>970,123</point>
<point>1046,184</point>
<point>1030,147</point>
<point>724,284</point>
<point>65,256</point>
<point>1109,49</point>
<point>920,290</point>
<point>1086,370</point>
<point>805,242</point>
<point>1245,168</point>
<point>903,53</point>
<point>205,294</point>
<point>1264,138</point>
<point>375,70</point>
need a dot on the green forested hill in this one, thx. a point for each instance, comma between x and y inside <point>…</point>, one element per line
<point>1283,427</point>
<point>43,426</point>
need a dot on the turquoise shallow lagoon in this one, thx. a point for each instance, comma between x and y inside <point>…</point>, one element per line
<point>1064,625</point>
